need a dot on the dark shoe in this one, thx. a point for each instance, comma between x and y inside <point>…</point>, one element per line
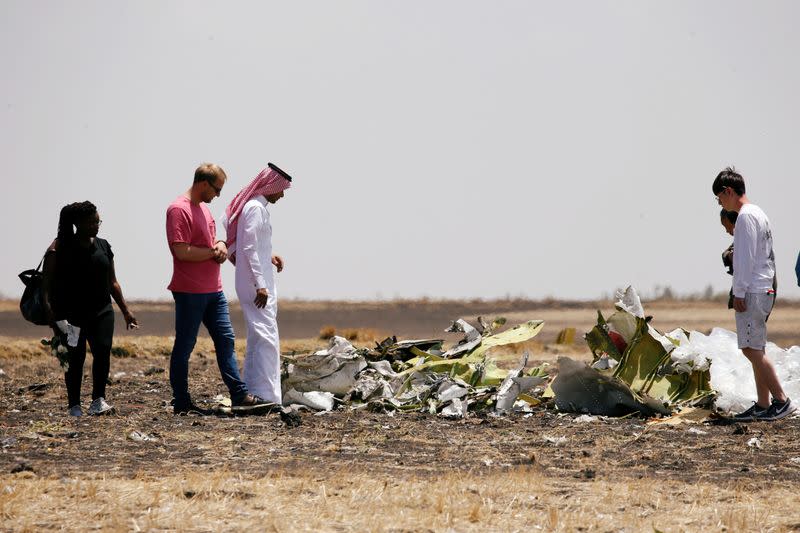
<point>253,405</point>
<point>191,409</point>
<point>754,413</point>
<point>778,410</point>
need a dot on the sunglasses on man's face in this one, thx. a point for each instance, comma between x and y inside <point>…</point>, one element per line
<point>218,190</point>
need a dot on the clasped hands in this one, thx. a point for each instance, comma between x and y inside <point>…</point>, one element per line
<point>219,252</point>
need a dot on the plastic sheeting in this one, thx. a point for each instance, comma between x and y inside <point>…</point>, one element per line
<point>731,373</point>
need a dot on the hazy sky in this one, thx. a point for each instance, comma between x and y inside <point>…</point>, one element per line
<point>442,149</point>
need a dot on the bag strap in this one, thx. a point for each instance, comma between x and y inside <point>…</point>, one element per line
<point>26,276</point>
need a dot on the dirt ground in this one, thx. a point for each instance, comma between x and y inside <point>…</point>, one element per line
<point>423,318</point>
<point>145,469</point>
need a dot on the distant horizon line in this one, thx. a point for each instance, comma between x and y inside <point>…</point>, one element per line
<point>5,301</point>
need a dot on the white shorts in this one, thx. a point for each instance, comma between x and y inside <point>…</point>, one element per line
<point>751,325</point>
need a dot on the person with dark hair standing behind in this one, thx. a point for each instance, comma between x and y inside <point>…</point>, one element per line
<point>753,293</point>
<point>79,281</point>
<point>728,221</point>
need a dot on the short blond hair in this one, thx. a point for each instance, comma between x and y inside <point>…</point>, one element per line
<point>209,172</point>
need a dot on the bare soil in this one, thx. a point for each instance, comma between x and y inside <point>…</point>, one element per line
<point>566,464</point>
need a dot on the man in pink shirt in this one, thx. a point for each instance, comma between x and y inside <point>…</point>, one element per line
<point>197,289</point>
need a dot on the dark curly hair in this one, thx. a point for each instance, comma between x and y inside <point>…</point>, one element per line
<point>72,214</point>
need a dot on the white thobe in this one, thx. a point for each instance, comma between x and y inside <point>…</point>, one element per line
<point>254,270</point>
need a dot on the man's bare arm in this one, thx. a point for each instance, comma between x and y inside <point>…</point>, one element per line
<point>194,254</point>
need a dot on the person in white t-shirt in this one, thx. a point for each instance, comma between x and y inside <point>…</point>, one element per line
<point>753,293</point>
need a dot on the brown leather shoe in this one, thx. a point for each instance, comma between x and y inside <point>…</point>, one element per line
<point>251,400</point>
<point>254,405</point>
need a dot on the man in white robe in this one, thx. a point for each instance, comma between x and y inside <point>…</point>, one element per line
<point>249,232</point>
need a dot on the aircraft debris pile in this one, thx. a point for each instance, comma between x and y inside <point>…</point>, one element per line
<point>417,375</point>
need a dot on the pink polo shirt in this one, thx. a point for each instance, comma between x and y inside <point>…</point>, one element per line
<point>193,225</point>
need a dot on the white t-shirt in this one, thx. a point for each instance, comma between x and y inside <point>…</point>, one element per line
<point>753,258</point>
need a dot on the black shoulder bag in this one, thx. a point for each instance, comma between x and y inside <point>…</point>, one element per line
<point>32,302</point>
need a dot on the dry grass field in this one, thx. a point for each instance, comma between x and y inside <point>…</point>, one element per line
<point>145,469</point>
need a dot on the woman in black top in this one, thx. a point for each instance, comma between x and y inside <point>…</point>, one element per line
<point>79,281</point>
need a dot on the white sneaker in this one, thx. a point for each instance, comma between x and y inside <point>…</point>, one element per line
<point>75,410</point>
<point>100,407</point>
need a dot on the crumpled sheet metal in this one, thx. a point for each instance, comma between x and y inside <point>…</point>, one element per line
<point>515,384</point>
<point>645,363</point>
<point>474,367</point>
<point>455,409</point>
<point>519,333</point>
<point>472,338</point>
<point>390,349</point>
<point>416,375</point>
<point>333,370</point>
<point>372,385</point>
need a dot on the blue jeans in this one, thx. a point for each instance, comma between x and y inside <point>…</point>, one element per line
<point>212,310</point>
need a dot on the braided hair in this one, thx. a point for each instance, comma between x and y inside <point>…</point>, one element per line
<point>71,214</point>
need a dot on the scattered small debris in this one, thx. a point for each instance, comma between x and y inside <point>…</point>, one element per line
<point>740,429</point>
<point>34,388</point>
<point>138,436</point>
<point>755,442</point>
<point>586,419</point>
<point>697,431</point>
<point>22,466</point>
<point>223,401</point>
<point>290,418</point>
<point>153,370</point>
<point>555,441</point>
